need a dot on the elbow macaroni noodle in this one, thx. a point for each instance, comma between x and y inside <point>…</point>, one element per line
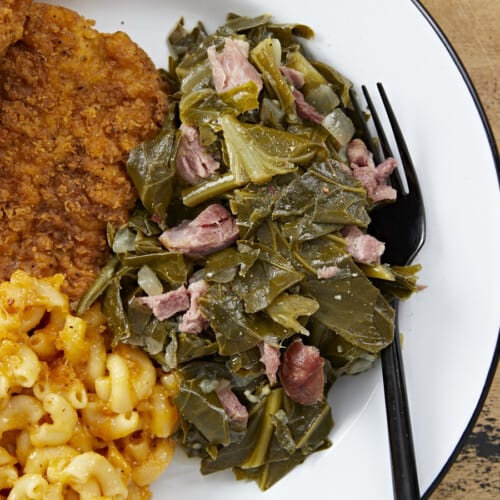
<point>77,418</point>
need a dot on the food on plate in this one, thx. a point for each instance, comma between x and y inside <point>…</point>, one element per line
<point>12,17</point>
<point>73,103</point>
<point>77,418</point>
<point>247,267</point>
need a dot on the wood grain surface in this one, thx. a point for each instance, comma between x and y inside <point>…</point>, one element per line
<point>473,28</point>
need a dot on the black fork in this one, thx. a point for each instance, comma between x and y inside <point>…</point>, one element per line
<point>401,225</point>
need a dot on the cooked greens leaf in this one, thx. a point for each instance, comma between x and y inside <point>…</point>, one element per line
<point>287,33</point>
<point>242,98</point>
<point>169,266</point>
<point>198,79</point>
<point>403,284</point>
<point>235,330</point>
<point>253,205</point>
<point>287,308</point>
<point>257,153</point>
<point>98,286</point>
<point>358,312</point>
<point>151,168</point>
<point>296,60</point>
<point>191,347</point>
<point>115,312</point>
<point>267,57</point>
<point>199,404</point>
<point>221,267</point>
<point>280,435</point>
<point>204,107</point>
<point>181,41</point>
<point>237,24</point>
<point>146,330</point>
<point>268,276</point>
<point>321,201</point>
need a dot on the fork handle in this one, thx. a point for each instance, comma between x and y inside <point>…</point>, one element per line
<point>405,478</point>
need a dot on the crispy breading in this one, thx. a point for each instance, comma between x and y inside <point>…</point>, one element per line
<point>73,103</point>
<point>12,17</point>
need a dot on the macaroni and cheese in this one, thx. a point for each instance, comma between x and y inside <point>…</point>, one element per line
<point>77,418</point>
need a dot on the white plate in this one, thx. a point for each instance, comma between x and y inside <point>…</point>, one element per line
<point>451,328</point>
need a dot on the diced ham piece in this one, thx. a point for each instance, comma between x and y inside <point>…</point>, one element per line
<point>212,230</point>
<point>194,163</point>
<point>235,410</point>
<point>306,110</point>
<point>363,247</point>
<point>192,320</point>
<point>295,77</point>
<point>270,356</point>
<point>374,178</point>
<point>167,304</point>
<point>358,153</point>
<point>327,272</point>
<point>302,374</point>
<point>230,67</point>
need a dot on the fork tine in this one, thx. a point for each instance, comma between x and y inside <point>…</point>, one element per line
<point>386,148</point>
<point>384,143</point>
<point>367,137</point>
<point>409,169</point>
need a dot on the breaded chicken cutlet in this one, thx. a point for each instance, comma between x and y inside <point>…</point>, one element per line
<point>73,103</point>
<point>12,17</point>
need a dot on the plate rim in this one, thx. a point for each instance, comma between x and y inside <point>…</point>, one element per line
<point>496,160</point>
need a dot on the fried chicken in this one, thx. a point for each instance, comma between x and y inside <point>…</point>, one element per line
<point>73,103</point>
<point>12,17</point>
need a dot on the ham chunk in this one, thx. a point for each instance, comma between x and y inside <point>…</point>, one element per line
<point>235,410</point>
<point>214,229</point>
<point>192,320</point>
<point>374,178</point>
<point>358,153</point>
<point>231,67</point>
<point>167,304</point>
<point>270,357</point>
<point>302,374</point>
<point>363,247</point>
<point>305,110</point>
<point>193,162</point>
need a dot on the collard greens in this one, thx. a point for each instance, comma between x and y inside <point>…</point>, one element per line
<point>283,179</point>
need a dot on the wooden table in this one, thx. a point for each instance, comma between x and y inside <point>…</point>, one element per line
<point>473,28</point>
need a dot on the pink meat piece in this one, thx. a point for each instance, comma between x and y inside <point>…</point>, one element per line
<point>302,374</point>
<point>192,320</point>
<point>306,110</point>
<point>327,272</point>
<point>270,357</point>
<point>212,230</point>
<point>167,304</point>
<point>235,410</point>
<point>231,67</point>
<point>358,153</point>
<point>374,178</point>
<point>363,247</point>
<point>194,163</point>
<point>295,77</point>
